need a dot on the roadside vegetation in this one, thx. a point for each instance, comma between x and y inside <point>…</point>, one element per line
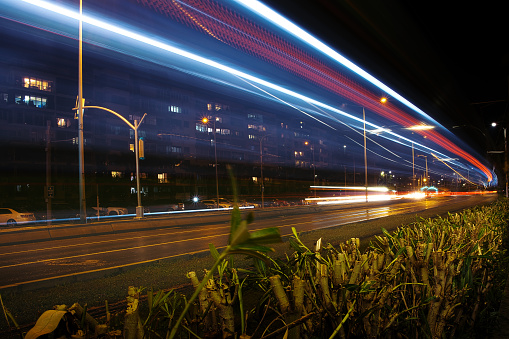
<point>437,278</point>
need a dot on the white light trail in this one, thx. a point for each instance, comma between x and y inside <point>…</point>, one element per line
<point>272,16</point>
<point>288,26</point>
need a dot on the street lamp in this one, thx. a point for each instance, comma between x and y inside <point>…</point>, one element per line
<point>344,165</point>
<point>365,156</point>
<point>426,157</point>
<point>261,166</point>
<point>314,171</point>
<point>139,207</point>
<point>83,208</point>
<point>494,124</point>
<point>206,120</point>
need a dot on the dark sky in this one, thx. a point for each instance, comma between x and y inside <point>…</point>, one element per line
<point>444,59</point>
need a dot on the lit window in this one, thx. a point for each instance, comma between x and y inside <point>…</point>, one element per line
<point>201,128</point>
<point>162,178</point>
<point>42,85</point>
<point>116,174</point>
<point>176,149</point>
<point>251,136</point>
<point>63,122</point>
<point>174,109</point>
<point>31,100</point>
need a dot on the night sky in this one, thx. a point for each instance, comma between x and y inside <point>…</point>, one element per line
<point>452,61</point>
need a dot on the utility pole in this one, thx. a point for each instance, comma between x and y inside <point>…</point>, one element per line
<point>83,204</point>
<point>48,172</point>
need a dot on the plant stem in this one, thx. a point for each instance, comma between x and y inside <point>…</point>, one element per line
<point>197,291</point>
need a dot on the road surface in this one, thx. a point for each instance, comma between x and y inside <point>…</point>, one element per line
<point>36,263</point>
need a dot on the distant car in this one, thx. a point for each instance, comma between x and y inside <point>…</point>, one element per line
<point>110,210</point>
<point>223,203</point>
<point>10,217</point>
<point>176,207</point>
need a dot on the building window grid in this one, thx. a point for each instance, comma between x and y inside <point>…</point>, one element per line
<point>40,84</point>
<point>31,100</point>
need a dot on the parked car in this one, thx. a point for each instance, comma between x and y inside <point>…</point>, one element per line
<point>10,217</point>
<point>223,203</point>
<point>176,207</point>
<point>110,210</point>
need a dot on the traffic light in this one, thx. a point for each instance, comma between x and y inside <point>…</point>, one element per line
<point>141,148</point>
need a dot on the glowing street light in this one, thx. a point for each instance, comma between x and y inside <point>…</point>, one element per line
<point>139,207</point>
<point>206,120</point>
<point>314,171</point>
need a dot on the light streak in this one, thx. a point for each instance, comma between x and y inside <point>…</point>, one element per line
<point>452,168</point>
<point>351,188</point>
<point>283,23</point>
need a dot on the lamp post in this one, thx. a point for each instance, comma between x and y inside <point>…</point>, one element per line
<point>206,121</point>
<point>261,167</point>
<point>83,208</point>
<point>313,164</point>
<point>139,207</point>
<point>494,124</point>
<point>365,156</point>
<point>425,157</point>
<point>344,156</point>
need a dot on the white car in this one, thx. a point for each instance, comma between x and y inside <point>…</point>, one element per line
<point>111,210</point>
<point>10,217</point>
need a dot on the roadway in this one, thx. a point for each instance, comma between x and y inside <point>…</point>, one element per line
<point>51,260</point>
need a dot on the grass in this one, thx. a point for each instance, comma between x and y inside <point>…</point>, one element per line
<point>26,306</point>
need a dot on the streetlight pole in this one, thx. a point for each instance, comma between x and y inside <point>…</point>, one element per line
<point>83,208</point>
<point>261,167</point>
<point>494,124</point>
<point>365,156</point>
<point>313,164</point>
<point>215,159</point>
<point>344,165</point>
<point>139,208</point>
<point>425,157</point>
<point>413,167</point>
<point>205,121</point>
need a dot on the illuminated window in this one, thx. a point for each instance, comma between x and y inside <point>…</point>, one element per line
<point>40,84</point>
<point>251,136</point>
<point>162,178</point>
<point>174,109</point>
<point>116,174</point>
<point>225,131</point>
<point>63,122</point>
<point>201,128</point>
<point>176,149</point>
<point>216,107</point>
<point>31,100</point>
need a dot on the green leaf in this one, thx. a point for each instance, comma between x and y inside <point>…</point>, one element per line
<point>240,235</point>
<point>266,236</point>
<point>251,247</point>
<point>235,220</point>
<point>250,217</point>
<point>213,251</point>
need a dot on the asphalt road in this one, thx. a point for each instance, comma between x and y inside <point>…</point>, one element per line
<point>35,263</point>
